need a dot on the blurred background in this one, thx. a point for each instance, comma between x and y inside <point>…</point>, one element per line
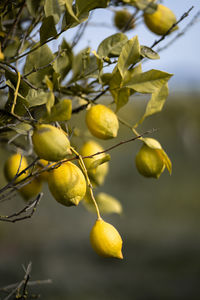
<point>160,222</point>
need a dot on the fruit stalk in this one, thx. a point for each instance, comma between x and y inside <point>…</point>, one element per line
<point>82,165</point>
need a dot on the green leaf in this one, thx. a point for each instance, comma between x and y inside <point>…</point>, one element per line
<point>147,5</point>
<point>112,45</point>
<point>107,204</point>
<point>84,7</point>
<point>121,97</point>
<point>52,8</point>
<point>32,6</point>
<point>60,112</point>
<point>63,64</point>
<point>130,54</point>
<point>100,161</point>
<point>47,29</point>
<point>148,82</point>
<point>69,8</point>
<point>166,160</point>
<point>22,128</point>
<point>35,98</point>
<point>50,101</point>
<point>38,59</point>
<point>157,100</point>
<point>148,52</point>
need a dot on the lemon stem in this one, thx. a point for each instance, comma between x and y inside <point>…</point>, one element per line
<point>82,165</point>
<point>16,92</point>
<point>130,127</point>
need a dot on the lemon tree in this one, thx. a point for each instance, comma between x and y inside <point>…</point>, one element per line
<point>43,89</point>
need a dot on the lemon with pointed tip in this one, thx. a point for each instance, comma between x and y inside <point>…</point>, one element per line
<point>161,20</point>
<point>102,122</point>
<point>148,162</point>
<point>15,164</point>
<point>67,184</point>
<point>106,240</point>
<point>99,173</point>
<point>50,143</point>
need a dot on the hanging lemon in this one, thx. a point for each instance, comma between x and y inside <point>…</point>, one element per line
<point>102,122</point>
<point>67,184</point>
<point>148,162</point>
<point>40,165</point>
<point>106,240</point>
<point>96,174</point>
<point>15,164</point>
<point>123,20</point>
<point>50,143</point>
<point>161,20</point>
<point>31,189</point>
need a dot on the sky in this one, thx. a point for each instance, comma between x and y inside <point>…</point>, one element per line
<point>181,59</point>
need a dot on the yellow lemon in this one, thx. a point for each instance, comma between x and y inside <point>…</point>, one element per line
<point>161,20</point>
<point>40,165</point>
<point>50,142</point>
<point>96,174</point>
<point>123,19</point>
<point>102,122</point>
<point>14,165</point>
<point>106,240</point>
<point>148,162</point>
<point>67,184</point>
<point>31,189</point>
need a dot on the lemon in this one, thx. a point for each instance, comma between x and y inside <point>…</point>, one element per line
<point>122,19</point>
<point>31,189</point>
<point>40,165</point>
<point>67,184</point>
<point>148,162</point>
<point>161,20</point>
<point>50,142</point>
<point>106,240</point>
<point>102,122</point>
<point>11,167</point>
<point>96,174</point>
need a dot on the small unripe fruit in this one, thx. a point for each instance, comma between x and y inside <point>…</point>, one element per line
<point>149,163</point>
<point>106,240</point>
<point>96,174</point>
<point>161,20</point>
<point>102,122</point>
<point>123,20</point>
<point>50,142</point>
<point>67,184</point>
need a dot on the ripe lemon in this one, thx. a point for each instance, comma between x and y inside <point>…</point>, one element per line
<point>11,167</point>
<point>40,165</point>
<point>106,240</point>
<point>32,189</point>
<point>122,19</point>
<point>149,163</point>
<point>96,174</point>
<point>161,20</point>
<point>102,122</point>
<point>67,184</point>
<point>50,142</point>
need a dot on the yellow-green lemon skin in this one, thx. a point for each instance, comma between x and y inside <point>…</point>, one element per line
<point>32,189</point>
<point>106,240</point>
<point>99,173</point>
<point>102,122</point>
<point>50,143</point>
<point>122,18</point>
<point>67,184</point>
<point>11,167</point>
<point>148,162</point>
<point>41,164</point>
<point>161,20</point>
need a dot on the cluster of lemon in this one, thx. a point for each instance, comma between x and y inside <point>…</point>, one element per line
<point>158,21</point>
<point>68,183</point>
